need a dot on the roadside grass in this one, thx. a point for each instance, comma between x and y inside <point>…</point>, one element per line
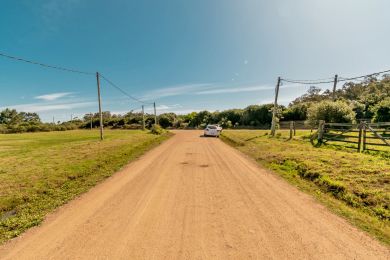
<point>353,185</point>
<point>41,171</point>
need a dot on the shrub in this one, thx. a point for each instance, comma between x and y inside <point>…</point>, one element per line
<point>225,123</point>
<point>157,130</point>
<point>164,121</point>
<point>382,213</point>
<point>331,112</point>
<point>296,112</point>
<point>256,115</point>
<point>381,111</point>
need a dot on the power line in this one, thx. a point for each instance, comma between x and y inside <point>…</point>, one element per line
<point>45,65</point>
<point>307,82</point>
<point>124,92</point>
<point>325,81</point>
<point>310,80</point>
<point>365,76</point>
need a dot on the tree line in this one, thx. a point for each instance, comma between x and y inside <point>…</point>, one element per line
<point>367,100</point>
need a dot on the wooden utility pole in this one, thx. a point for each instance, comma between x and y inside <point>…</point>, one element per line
<point>273,125</point>
<point>91,119</point>
<point>334,87</point>
<point>143,118</point>
<point>155,114</point>
<point>100,105</point>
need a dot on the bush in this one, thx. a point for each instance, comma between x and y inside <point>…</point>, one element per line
<point>164,121</point>
<point>258,115</point>
<point>157,130</point>
<point>296,112</point>
<point>331,112</point>
<point>381,111</point>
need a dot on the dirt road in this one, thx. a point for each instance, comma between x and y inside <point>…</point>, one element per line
<point>193,198</point>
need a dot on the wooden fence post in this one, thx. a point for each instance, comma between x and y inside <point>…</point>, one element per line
<point>360,137</point>
<point>321,126</point>
<point>291,129</point>
<point>295,128</point>
<point>364,136</point>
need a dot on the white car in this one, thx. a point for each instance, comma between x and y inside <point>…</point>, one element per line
<point>211,130</point>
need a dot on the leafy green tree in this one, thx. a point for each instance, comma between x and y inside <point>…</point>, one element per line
<point>381,111</point>
<point>166,120</point>
<point>257,115</point>
<point>9,117</point>
<point>232,115</point>
<point>313,94</point>
<point>359,109</point>
<point>226,123</point>
<point>29,117</point>
<point>331,112</point>
<point>296,112</point>
<point>200,119</point>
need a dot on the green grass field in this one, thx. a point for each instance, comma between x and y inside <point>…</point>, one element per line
<point>354,185</point>
<point>41,171</point>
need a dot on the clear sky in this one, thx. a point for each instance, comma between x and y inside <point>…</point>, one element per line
<point>186,55</point>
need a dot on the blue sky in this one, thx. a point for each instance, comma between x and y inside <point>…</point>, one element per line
<point>186,55</point>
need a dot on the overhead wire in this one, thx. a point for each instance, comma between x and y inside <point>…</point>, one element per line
<point>73,71</point>
<point>123,91</point>
<point>307,82</point>
<point>365,76</point>
<point>310,80</point>
<point>325,81</point>
<point>45,65</point>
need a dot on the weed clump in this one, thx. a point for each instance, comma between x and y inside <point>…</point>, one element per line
<point>382,213</point>
<point>305,173</point>
<point>157,130</point>
<point>335,187</point>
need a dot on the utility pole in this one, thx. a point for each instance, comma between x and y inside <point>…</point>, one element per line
<point>143,118</point>
<point>71,117</point>
<point>334,87</point>
<point>155,115</point>
<point>273,125</point>
<point>100,105</point>
<point>53,120</point>
<point>91,118</point>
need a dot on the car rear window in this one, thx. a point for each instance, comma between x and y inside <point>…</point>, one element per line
<point>211,127</point>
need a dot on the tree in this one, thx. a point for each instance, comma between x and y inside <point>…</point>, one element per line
<point>296,112</point>
<point>9,117</point>
<point>201,118</point>
<point>331,112</point>
<point>166,120</point>
<point>232,115</point>
<point>29,117</point>
<point>256,115</point>
<point>381,111</point>
<point>313,94</point>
